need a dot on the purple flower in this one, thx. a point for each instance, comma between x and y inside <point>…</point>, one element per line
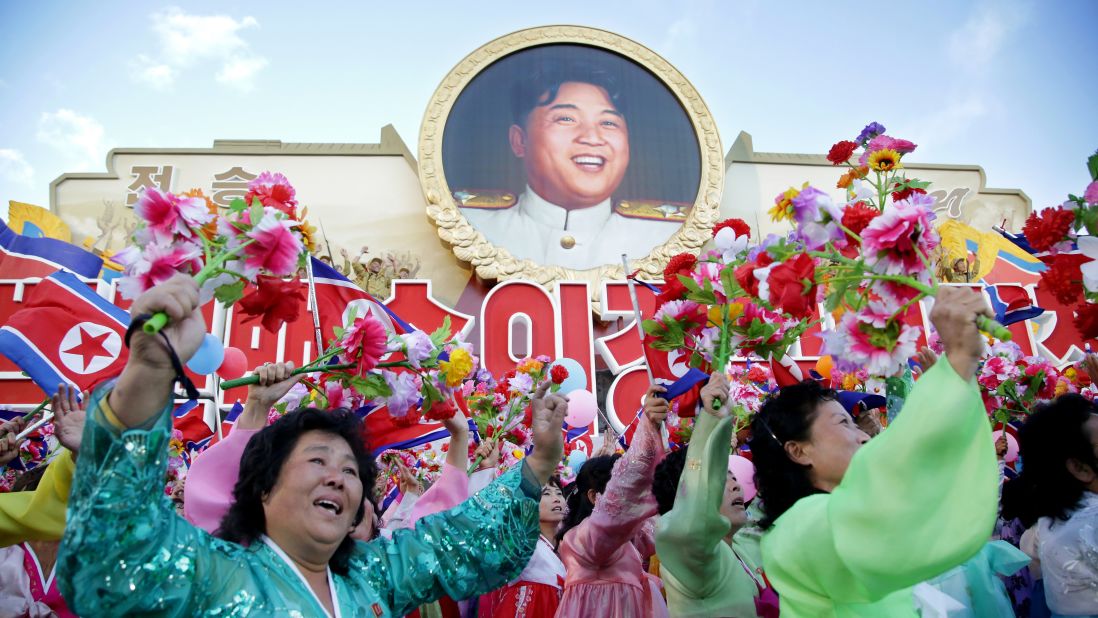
<point>417,347</point>
<point>405,388</point>
<point>522,383</point>
<point>870,131</point>
<point>1091,194</point>
<point>817,216</point>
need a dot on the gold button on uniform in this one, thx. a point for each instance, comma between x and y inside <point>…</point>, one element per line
<point>567,242</point>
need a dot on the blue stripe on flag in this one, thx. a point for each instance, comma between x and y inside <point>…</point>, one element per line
<point>57,253</point>
<point>22,351</point>
<point>182,409</point>
<point>73,284</point>
<point>324,271</point>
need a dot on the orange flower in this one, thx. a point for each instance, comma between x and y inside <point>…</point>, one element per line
<point>851,175</point>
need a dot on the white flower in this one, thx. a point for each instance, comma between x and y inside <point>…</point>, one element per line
<point>1088,246</point>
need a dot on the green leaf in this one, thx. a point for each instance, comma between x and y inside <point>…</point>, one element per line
<point>237,206</point>
<point>257,212</point>
<point>230,292</point>
<point>1092,166</point>
<point>442,333</point>
<point>690,284</point>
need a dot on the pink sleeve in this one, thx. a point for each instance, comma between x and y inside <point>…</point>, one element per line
<point>645,538</point>
<point>627,503</point>
<point>450,490</point>
<point>208,492</point>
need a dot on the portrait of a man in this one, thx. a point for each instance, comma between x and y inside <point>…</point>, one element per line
<point>565,156</point>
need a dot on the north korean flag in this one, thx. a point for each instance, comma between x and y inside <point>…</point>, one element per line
<point>67,334</point>
<point>382,434</point>
<point>23,256</point>
<point>337,297</point>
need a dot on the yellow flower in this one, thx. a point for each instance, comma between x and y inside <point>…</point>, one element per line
<point>1061,387</point>
<point>735,310</point>
<point>850,382</point>
<point>459,366</point>
<point>308,232</point>
<point>783,205</point>
<point>175,447</point>
<point>885,160</point>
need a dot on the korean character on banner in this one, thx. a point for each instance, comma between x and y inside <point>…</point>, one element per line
<point>230,185</point>
<point>159,176</point>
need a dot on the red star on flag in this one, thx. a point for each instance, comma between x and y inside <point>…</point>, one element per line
<point>90,346</point>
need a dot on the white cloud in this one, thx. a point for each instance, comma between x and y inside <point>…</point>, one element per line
<point>158,75</point>
<point>188,41</point>
<point>239,72</point>
<point>976,43</point>
<point>14,168</point>
<point>80,138</point>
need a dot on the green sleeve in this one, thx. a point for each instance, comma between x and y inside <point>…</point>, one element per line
<point>689,541</point>
<point>38,515</point>
<point>916,501</point>
<point>125,550</point>
<point>474,548</point>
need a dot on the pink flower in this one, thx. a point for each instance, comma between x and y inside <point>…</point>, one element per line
<point>676,310</point>
<point>364,342</point>
<point>168,216</point>
<point>275,248</point>
<point>1091,194</point>
<point>275,191</point>
<point>870,340</point>
<point>884,142</point>
<point>995,371</point>
<point>893,242</point>
<point>338,396</point>
<point>156,264</point>
<point>711,272</point>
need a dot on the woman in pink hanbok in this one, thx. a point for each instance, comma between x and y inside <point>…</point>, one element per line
<point>610,514</point>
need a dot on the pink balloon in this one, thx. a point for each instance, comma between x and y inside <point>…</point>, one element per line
<point>745,475</point>
<point>582,408</point>
<point>1012,446</point>
<point>234,365</point>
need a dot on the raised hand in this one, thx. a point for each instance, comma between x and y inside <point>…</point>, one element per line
<point>409,484</point>
<point>548,417</point>
<point>714,395</point>
<point>9,448</point>
<point>954,317</point>
<point>68,417</point>
<point>926,358</point>
<point>275,380</point>
<point>1090,363</point>
<point>488,454</point>
<point>656,407</point>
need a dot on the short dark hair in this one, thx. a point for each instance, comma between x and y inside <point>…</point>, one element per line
<point>540,86</point>
<point>665,482</point>
<point>1050,437</point>
<point>262,463</point>
<point>594,474</point>
<point>784,416</point>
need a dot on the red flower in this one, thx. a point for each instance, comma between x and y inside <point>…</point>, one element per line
<point>409,419</point>
<point>906,193</point>
<point>793,286</point>
<point>841,152</point>
<point>745,273</point>
<point>364,342</point>
<point>757,374</point>
<point>1086,320</point>
<point>558,374</point>
<point>738,226</point>
<point>440,411</point>
<point>857,216</point>
<point>275,300</point>
<point>1048,227</point>
<point>1063,279</point>
<point>673,289</point>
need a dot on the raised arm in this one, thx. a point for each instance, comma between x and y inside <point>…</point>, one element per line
<point>925,489</point>
<point>213,474</point>
<point>477,546</point>
<point>689,541</point>
<point>125,550</point>
<point>628,501</point>
<point>452,486</point>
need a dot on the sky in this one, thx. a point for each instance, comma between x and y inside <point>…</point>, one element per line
<point>1002,84</point>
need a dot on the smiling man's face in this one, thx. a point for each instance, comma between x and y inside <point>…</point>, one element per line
<point>575,147</point>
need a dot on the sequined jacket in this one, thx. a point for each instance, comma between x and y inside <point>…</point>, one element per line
<point>126,551</point>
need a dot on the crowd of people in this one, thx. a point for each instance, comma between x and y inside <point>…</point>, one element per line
<point>283,519</point>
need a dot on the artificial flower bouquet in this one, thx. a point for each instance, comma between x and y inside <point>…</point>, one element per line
<point>1012,383</point>
<point>1057,234</point>
<point>263,233</point>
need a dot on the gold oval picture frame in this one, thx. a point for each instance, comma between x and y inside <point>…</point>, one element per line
<point>494,262</point>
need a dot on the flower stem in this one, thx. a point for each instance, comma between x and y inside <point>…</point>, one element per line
<point>254,378</point>
<point>160,319</point>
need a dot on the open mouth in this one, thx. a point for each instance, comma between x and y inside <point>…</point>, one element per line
<point>738,502</point>
<point>557,509</point>
<point>334,507</point>
<point>590,163</point>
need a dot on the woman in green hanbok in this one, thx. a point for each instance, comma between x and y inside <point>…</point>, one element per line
<point>853,528</point>
<point>299,496</point>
